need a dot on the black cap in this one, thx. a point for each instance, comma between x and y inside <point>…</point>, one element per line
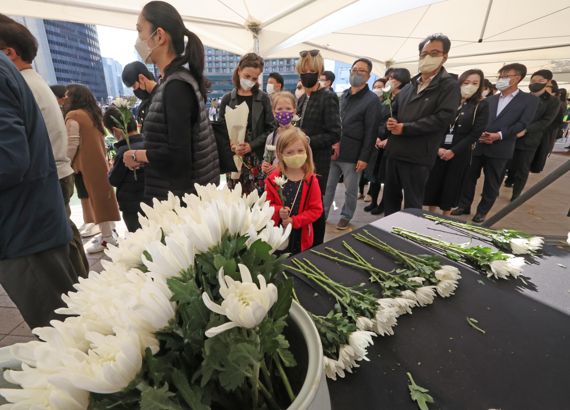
<point>131,73</point>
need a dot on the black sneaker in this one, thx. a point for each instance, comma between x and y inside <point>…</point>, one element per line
<point>370,207</point>
<point>460,211</point>
<point>378,210</point>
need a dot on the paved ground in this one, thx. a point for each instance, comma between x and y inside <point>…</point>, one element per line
<point>545,214</point>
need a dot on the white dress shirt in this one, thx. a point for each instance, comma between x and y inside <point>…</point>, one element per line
<point>504,100</point>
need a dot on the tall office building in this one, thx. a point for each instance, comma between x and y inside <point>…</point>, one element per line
<point>113,80</point>
<point>76,57</point>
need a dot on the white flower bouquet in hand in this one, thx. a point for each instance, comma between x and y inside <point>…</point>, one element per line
<point>236,123</point>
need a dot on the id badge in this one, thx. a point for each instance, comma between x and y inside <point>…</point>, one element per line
<point>448,139</point>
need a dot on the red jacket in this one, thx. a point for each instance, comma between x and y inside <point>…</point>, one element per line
<point>310,207</point>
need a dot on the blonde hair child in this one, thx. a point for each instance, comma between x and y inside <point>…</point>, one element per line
<point>293,189</point>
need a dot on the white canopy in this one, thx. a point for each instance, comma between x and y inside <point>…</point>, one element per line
<point>484,33</point>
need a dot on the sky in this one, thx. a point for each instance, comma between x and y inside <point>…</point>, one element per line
<point>117,43</point>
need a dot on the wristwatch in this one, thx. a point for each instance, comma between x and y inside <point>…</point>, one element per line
<point>134,156</point>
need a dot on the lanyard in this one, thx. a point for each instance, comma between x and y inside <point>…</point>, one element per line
<point>454,123</point>
<point>297,194</point>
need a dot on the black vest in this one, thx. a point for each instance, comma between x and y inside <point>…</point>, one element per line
<point>202,165</point>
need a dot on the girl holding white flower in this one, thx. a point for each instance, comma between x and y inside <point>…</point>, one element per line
<point>284,107</point>
<point>293,190</point>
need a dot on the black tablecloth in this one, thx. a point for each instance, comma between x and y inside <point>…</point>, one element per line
<point>522,362</point>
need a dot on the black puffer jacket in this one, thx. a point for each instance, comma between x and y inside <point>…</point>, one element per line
<point>130,191</point>
<point>179,158</point>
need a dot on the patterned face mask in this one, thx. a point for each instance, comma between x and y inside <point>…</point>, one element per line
<point>284,117</point>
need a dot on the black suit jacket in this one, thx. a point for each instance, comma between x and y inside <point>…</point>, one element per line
<point>514,118</point>
<point>546,112</point>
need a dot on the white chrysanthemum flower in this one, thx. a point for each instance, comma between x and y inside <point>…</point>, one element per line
<point>446,288</point>
<point>416,279</point>
<point>121,103</point>
<point>363,323</point>
<point>109,366</point>
<point>425,295</point>
<point>448,272</point>
<point>520,246</point>
<point>129,249</point>
<point>502,269</point>
<point>333,368</point>
<point>245,304</point>
<point>536,243</point>
<point>280,181</point>
<point>408,294</point>
<point>275,236</point>
<point>401,305</point>
<point>386,319</point>
<point>359,341</point>
<point>38,392</point>
<point>348,358</point>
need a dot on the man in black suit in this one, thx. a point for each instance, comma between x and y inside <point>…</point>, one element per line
<point>510,112</point>
<point>529,140</point>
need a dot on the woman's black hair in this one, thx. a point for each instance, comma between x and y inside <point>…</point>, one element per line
<point>79,97</point>
<point>163,15</point>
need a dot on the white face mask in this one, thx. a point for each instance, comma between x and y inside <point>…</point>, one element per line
<point>246,83</point>
<point>144,50</point>
<point>270,88</point>
<point>485,93</point>
<point>429,64</point>
<point>323,83</point>
<point>378,92</point>
<point>467,90</point>
<point>503,83</point>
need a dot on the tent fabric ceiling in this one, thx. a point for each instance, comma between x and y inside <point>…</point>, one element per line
<point>484,33</point>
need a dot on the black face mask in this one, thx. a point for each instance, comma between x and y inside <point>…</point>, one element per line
<point>141,94</point>
<point>309,79</point>
<point>536,87</point>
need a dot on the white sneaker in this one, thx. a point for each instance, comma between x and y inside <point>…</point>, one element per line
<point>89,230</point>
<point>100,244</point>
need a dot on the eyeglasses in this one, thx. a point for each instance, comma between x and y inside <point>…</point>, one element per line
<point>433,53</point>
<point>359,71</point>
<point>313,53</point>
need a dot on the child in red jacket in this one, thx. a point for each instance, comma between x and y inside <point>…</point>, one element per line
<point>293,189</point>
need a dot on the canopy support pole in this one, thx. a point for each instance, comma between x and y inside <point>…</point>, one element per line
<point>485,21</point>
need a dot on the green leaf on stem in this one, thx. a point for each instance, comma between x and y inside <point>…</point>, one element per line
<point>419,394</point>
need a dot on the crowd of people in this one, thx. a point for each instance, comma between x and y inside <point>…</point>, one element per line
<point>417,141</point>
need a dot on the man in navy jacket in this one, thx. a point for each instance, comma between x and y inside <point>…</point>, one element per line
<point>35,268</point>
<point>510,113</point>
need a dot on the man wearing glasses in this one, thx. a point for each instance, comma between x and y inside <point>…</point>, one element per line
<point>510,112</point>
<point>359,112</point>
<point>421,114</point>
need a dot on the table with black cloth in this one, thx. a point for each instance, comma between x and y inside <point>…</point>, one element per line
<point>521,362</point>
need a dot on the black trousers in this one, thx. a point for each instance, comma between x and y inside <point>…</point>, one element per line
<point>76,251</point>
<point>407,177</point>
<point>36,282</point>
<point>519,169</point>
<point>319,226</point>
<point>131,220</point>
<point>494,170</point>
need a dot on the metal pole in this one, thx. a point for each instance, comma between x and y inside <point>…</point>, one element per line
<point>533,190</point>
<point>485,22</point>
